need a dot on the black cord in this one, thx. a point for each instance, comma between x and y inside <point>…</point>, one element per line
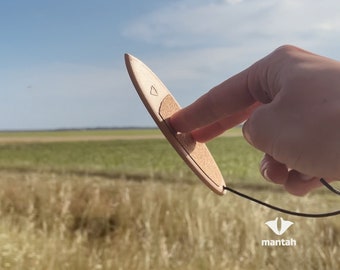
<point>327,185</point>
<point>311,215</point>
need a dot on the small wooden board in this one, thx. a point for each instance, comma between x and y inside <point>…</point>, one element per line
<point>161,105</point>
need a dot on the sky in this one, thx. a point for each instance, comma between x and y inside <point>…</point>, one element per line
<point>62,62</point>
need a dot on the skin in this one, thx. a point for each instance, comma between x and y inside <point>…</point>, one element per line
<point>290,102</point>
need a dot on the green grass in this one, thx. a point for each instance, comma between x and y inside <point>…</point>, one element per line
<point>130,158</point>
<point>133,204</point>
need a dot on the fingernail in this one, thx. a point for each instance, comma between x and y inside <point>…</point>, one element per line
<point>246,133</point>
<point>305,177</point>
<point>263,164</point>
<point>265,174</point>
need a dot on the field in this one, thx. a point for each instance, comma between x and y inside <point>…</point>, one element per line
<point>123,200</point>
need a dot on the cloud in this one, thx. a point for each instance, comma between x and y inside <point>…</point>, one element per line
<point>205,42</point>
<point>191,45</point>
<point>233,23</point>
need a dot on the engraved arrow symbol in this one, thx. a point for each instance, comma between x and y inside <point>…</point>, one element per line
<point>153,91</point>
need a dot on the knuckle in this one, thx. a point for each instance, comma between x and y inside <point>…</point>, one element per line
<point>286,49</point>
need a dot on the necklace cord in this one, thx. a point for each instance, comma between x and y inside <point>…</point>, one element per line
<point>289,212</point>
<point>327,185</point>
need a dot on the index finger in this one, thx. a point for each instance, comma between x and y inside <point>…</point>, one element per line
<point>230,97</point>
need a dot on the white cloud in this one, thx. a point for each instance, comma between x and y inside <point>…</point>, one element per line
<point>233,2</point>
<point>204,42</point>
<point>191,44</point>
<point>196,44</point>
<point>233,23</point>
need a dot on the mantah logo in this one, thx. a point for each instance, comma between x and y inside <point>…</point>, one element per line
<point>279,228</point>
<point>273,225</point>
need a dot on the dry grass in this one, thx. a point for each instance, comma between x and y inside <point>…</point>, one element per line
<point>56,221</point>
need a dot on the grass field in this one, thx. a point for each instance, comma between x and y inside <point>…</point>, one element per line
<point>137,159</point>
<point>133,204</point>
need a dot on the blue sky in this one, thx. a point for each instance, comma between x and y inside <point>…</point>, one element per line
<point>62,66</point>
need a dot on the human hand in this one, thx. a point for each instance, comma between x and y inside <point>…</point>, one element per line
<point>290,101</point>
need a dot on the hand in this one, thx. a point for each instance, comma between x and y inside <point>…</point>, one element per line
<point>290,101</point>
